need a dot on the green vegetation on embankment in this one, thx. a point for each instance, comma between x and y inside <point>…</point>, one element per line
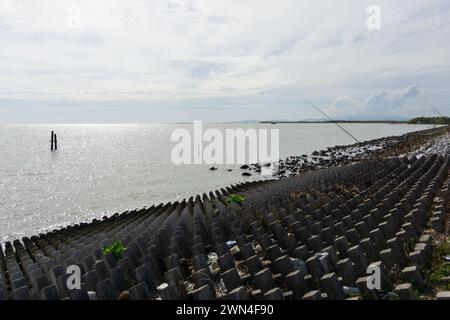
<point>438,276</point>
<point>430,120</point>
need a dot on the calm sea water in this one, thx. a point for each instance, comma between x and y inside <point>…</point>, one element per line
<point>103,169</point>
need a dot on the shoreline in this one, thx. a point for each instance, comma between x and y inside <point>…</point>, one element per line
<point>137,227</point>
<point>70,206</point>
<point>342,155</point>
<point>346,154</point>
<point>357,149</point>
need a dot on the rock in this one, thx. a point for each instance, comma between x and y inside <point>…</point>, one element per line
<point>443,295</point>
<point>246,174</point>
<point>245,167</point>
<point>351,291</point>
<point>212,258</point>
<point>213,168</point>
<point>300,265</point>
<point>162,286</point>
<point>405,291</point>
<point>92,295</point>
<point>124,295</point>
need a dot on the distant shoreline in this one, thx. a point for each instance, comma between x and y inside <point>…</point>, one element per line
<point>343,121</point>
<point>419,120</point>
<point>230,122</point>
<point>349,121</point>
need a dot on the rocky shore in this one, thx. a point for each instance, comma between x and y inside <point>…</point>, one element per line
<point>314,234</point>
<point>414,142</point>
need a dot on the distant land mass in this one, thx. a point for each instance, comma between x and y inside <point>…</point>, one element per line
<point>356,119</point>
<point>244,121</point>
<point>396,120</point>
<point>430,120</point>
<point>339,121</point>
<point>418,120</point>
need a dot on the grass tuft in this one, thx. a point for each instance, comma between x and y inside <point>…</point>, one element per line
<point>438,274</point>
<point>236,198</point>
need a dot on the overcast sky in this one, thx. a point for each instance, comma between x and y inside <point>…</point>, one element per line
<point>185,60</point>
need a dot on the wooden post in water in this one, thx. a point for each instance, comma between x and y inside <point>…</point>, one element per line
<point>51,141</point>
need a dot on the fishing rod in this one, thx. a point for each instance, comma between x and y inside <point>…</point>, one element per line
<point>340,127</point>
<point>334,121</point>
<point>434,109</point>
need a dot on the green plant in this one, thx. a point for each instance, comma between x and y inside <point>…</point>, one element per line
<point>116,249</point>
<point>408,246</point>
<point>236,198</point>
<point>440,268</point>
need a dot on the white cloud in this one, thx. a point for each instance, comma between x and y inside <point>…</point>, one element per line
<point>140,50</point>
<point>391,100</point>
<point>377,103</point>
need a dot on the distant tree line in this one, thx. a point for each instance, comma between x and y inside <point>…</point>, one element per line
<point>430,120</point>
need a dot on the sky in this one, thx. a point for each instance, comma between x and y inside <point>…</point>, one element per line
<point>108,61</point>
